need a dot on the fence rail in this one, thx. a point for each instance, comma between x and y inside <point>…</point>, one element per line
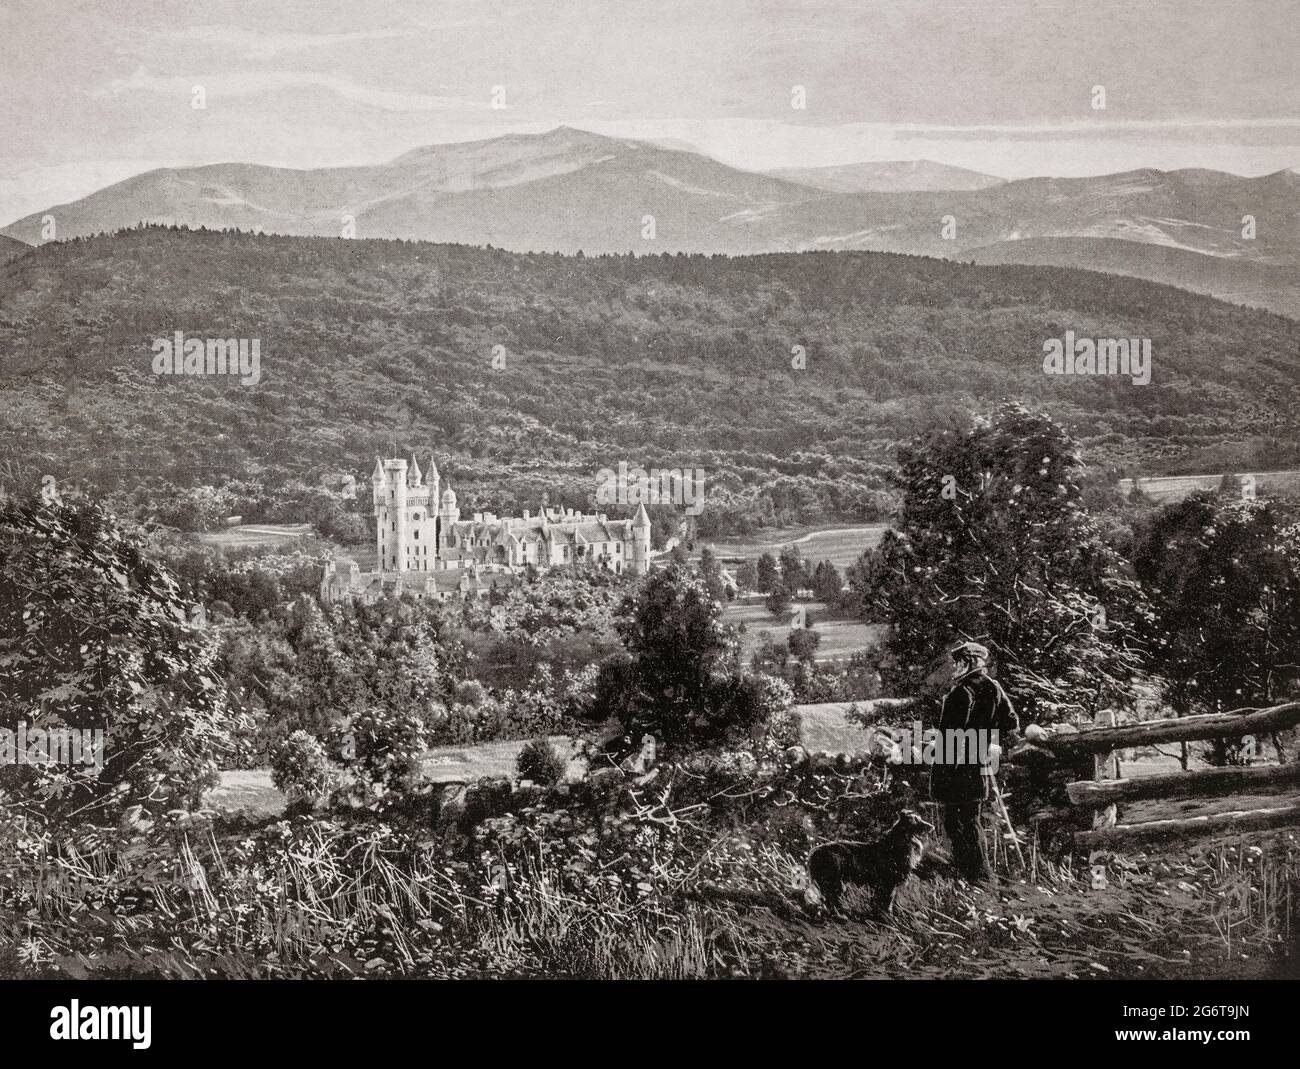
<point>1106,789</point>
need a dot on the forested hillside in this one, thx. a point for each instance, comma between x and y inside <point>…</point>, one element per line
<point>662,361</point>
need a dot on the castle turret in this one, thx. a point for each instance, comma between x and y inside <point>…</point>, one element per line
<point>640,541</point>
<point>431,481</point>
<point>413,476</point>
<point>449,512</point>
<point>377,493</point>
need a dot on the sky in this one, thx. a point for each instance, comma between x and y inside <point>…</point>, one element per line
<point>94,91</point>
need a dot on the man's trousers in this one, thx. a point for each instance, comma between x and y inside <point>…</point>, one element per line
<point>961,820</point>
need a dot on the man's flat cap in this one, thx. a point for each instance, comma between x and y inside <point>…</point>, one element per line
<point>969,649</point>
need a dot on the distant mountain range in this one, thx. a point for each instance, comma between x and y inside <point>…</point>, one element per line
<point>569,189</point>
<point>901,176</point>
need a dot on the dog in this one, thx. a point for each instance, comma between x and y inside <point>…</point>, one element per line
<point>882,866</point>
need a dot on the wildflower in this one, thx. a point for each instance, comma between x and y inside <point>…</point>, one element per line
<point>32,952</point>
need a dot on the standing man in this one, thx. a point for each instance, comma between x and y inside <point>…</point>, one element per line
<point>961,781</point>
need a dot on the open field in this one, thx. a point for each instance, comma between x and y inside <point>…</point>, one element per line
<point>1166,488</point>
<point>824,728</point>
<point>839,544</point>
<point>251,792</point>
<point>840,637</point>
<point>255,534</point>
<point>460,764</point>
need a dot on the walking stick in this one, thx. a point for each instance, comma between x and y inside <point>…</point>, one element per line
<point>1006,818</point>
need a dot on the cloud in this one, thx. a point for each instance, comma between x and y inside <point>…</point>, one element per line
<point>259,83</point>
<point>1174,129</point>
<point>260,45</point>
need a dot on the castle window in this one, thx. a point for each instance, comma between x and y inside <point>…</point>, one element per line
<point>417,532</point>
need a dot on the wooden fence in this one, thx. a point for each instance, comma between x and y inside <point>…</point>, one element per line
<point>1106,789</point>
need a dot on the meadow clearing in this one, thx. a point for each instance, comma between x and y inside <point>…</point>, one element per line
<point>836,543</point>
<point>841,636</point>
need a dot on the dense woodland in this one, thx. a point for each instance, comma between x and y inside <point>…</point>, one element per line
<point>662,361</point>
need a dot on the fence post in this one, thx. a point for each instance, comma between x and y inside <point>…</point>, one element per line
<point>1105,766</point>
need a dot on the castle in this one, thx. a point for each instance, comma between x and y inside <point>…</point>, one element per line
<point>423,547</point>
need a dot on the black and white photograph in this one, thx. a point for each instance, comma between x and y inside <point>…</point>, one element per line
<point>497,491</point>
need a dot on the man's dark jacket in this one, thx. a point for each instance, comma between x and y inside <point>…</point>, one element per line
<point>975,702</point>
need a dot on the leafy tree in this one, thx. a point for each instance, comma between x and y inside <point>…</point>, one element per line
<point>768,575</point>
<point>747,577</point>
<point>993,543</point>
<point>616,683</point>
<point>682,676</point>
<point>711,573</point>
<point>355,660</point>
<point>794,574</point>
<point>803,642</point>
<point>94,635</point>
<point>826,582</point>
<point>1223,576</point>
<point>778,600</point>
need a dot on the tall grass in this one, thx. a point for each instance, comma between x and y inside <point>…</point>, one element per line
<point>324,903</point>
<point>325,907</point>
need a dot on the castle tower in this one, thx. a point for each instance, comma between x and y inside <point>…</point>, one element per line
<point>391,514</point>
<point>449,513</point>
<point>640,542</point>
<point>433,525</point>
<point>431,481</point>
<point>379,497</point>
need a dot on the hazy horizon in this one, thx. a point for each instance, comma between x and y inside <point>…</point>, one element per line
<point>105,92</point>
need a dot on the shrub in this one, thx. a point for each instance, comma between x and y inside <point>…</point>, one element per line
<point>384,747</point>
<point>301,768</point>
<point>470,692</point>
<point>539,762</point>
